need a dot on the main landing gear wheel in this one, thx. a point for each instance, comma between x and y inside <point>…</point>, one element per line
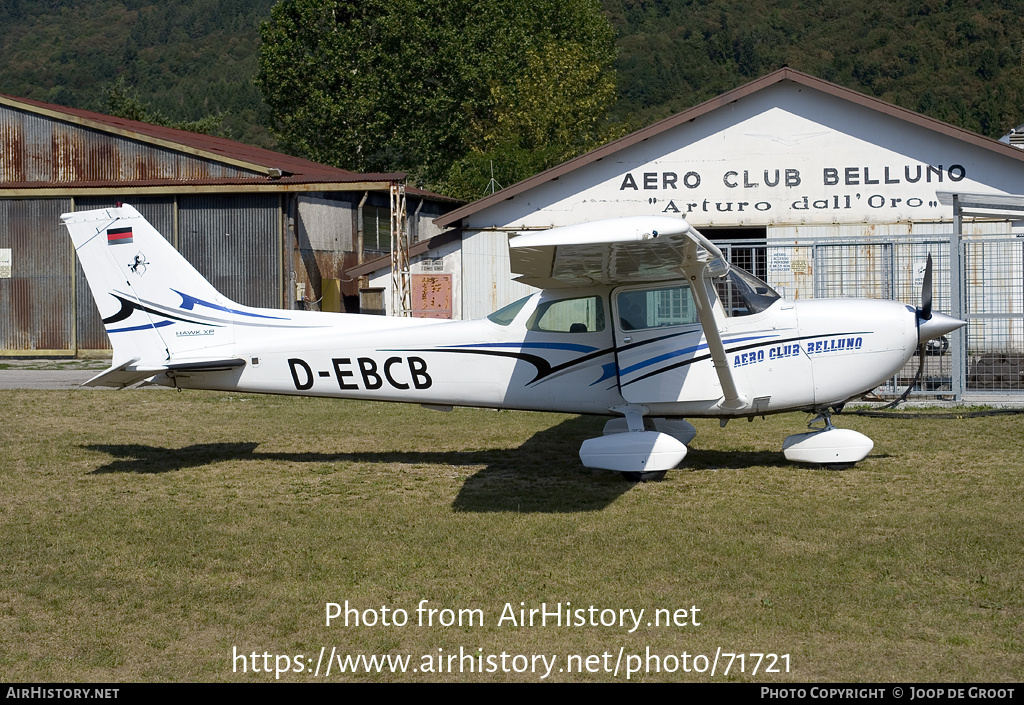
<point>650,476</point>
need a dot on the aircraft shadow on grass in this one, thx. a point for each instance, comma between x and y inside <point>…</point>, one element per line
<point>544,474</point>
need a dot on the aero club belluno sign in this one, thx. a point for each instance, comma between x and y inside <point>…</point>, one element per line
<point>855,180</point>
<point>779,167</point>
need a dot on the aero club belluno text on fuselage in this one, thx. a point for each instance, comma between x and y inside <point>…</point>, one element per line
<point>640,319</point>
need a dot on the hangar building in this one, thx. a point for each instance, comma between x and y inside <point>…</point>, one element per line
<point>819,190</point>
<point>265,228</point>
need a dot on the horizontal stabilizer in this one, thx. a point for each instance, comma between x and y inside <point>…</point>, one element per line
<point>127,373</point>
<point>119,376</point>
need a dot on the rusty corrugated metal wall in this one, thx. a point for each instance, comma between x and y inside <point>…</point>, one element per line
<point>35,148</point>
<point>45,305</point>
<point>36,298</point>
<point>254,247</point>
<point>235,242</point>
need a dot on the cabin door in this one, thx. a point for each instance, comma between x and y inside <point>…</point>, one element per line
<point>659,344</point>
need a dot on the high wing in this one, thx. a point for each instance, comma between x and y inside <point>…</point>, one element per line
<point>620,251</point>
<point>627,251</point>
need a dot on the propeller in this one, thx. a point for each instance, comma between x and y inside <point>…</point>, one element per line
<point>925,312</point>
<point>929,326</point>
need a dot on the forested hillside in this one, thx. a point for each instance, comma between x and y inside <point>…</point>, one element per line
<point>183,59</point>
<point>961,61</point>
<point>958,60</point>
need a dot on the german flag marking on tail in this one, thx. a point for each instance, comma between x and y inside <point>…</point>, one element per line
<point>119,236</point>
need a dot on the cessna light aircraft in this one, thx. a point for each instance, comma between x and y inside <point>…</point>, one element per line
<point>638,318</point>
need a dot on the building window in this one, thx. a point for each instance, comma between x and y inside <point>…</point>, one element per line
<point>376,229</point>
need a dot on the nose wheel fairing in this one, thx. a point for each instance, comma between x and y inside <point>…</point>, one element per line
<point>836,448</point>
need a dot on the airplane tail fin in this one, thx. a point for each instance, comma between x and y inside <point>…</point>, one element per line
<point>159,312</point>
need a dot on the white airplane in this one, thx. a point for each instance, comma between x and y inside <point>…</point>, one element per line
<point>639,318</point>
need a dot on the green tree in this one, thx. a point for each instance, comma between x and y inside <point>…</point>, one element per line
<point>123,101</point>
<point>430,86</point>
<point>556,109</point>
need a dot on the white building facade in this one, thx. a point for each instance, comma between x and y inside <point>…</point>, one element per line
<point>819,190</point>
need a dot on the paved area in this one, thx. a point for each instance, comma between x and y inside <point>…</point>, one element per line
<point>44,379</point>
<point>49,374</point>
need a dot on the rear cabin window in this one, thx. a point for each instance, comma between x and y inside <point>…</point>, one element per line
<point>582,315</point>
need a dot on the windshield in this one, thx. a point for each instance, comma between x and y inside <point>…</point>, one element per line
<point>743,294</point>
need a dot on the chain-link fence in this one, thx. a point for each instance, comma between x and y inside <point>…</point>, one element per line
<point>977,278</point>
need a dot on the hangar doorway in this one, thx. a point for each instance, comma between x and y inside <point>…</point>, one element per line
<point>747,248</point>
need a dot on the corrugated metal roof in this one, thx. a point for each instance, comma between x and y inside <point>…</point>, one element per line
<point>118,146</point>
<point>784,74</point>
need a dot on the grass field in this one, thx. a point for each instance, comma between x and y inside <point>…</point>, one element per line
<point>153,535</point>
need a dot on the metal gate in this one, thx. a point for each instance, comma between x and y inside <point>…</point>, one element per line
<point>992,276</point>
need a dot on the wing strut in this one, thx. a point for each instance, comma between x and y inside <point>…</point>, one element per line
<point>697,268</point>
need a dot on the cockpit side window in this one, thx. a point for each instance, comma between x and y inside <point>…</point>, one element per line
<point>654,308</point>
<point>582,315</point>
